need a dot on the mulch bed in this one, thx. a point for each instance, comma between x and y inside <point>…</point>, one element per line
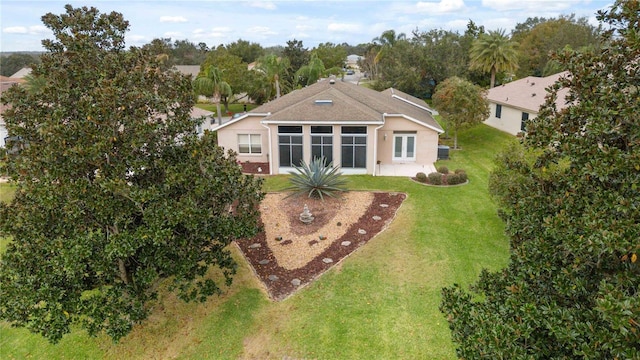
<point>278,281</point>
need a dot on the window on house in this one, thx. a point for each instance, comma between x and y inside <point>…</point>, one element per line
<point>249,144</point>
<point>290,145</point>
<point>354,146</point>
<point>498,111</point>
<point>322,142</point>
<point>523,123</point>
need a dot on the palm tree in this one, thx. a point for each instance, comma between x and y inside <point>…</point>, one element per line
<point>386,41</point>
<point>494,52</point>
<point>314,70</point>
<point>276,69</point>
<point>210,82</point>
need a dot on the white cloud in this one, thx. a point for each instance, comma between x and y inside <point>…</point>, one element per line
<point>267,5</point>
<point>343,27</point>
<point>173,19</point>
<point>172,34</point>
<point>441,7</point>
<point>533,5</point>
<point>216,32</point>
<point>26,30</point>
<point>261,30</point>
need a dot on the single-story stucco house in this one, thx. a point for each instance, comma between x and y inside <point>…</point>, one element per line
<point>362,131</point>
<point>515,103</point>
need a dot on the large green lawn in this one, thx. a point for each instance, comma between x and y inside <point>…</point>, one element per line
<point>380,303</point>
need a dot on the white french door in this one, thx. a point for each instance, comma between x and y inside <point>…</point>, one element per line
<point>404,147</point>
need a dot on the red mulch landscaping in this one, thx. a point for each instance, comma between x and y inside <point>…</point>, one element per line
<point>281,287</point>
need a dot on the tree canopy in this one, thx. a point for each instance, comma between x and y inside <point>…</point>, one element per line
<point>116,197</point>
<point>461,104</point>
<point>551,35</point>
<point>569,197</point>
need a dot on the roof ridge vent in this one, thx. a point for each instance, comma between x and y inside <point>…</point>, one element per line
<point>323,102</point>
<point>332,81</point>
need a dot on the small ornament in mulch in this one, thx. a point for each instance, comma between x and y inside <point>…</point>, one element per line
<point>345,243</point>
<point>376,218</point>
<point>296,282</point>
<point>263,262</point>
<point>273,277</point>
<point>339,223</point>
<point>384,205</point>
<point>327,260</point>
<point>278,238</point>
<point>322,237</point>
<point>362,231</point>
<point>254,246</point>
<point>306,216</point>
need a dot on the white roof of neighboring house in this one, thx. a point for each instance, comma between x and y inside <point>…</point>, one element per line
<point>21,73</point>
<point>196,112</point>
<point>353,58</point>
<point>192,70</point>
<point>528,93</point>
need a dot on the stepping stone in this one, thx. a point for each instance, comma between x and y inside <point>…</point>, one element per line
<point>273,277</point>
<point>327,260</point>
<point>296,282</point>
<point>254,246</point>
<point>345,243</point>
<point>384,205</point>
<point>376,218</point>
<point>362,231</point>
<point>263,262</point>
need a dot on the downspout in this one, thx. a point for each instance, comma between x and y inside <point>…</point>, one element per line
<point>375,144</point>
<point>270,149</point>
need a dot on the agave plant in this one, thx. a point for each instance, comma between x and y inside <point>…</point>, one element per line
<point>317,178</point>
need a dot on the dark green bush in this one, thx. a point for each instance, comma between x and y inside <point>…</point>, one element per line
<point>462,174</point>
<point>443,170</point>
<point>422,177</point>
<point>455,179</point>
<point>317,179</point>
<point>435,178</point>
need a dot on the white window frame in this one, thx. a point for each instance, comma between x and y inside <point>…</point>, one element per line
<point>403,156</point>
<point>250,144</point>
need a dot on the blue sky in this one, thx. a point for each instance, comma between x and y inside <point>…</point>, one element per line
<point>272,23</point>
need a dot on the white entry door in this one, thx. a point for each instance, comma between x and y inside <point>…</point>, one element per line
<point>404,147</point>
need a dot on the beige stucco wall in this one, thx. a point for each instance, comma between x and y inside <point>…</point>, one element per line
<point>228,138</point>
<point>426,141</point>
<point>510,119</point>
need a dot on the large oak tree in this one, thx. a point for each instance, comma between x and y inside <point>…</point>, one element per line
<point>116,195</point>
<point>569,196</point>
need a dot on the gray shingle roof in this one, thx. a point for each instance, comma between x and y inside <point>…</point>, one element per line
<point>349,103</point>
<point>528,93</point>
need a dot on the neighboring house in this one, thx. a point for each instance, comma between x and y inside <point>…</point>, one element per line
<point>208,119</point>
<point>5,84</point>
<point>20,74</point>
<point>189,70</point>
<point>515,103</point>
<point>358,129</point>
<point>352,61</point>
